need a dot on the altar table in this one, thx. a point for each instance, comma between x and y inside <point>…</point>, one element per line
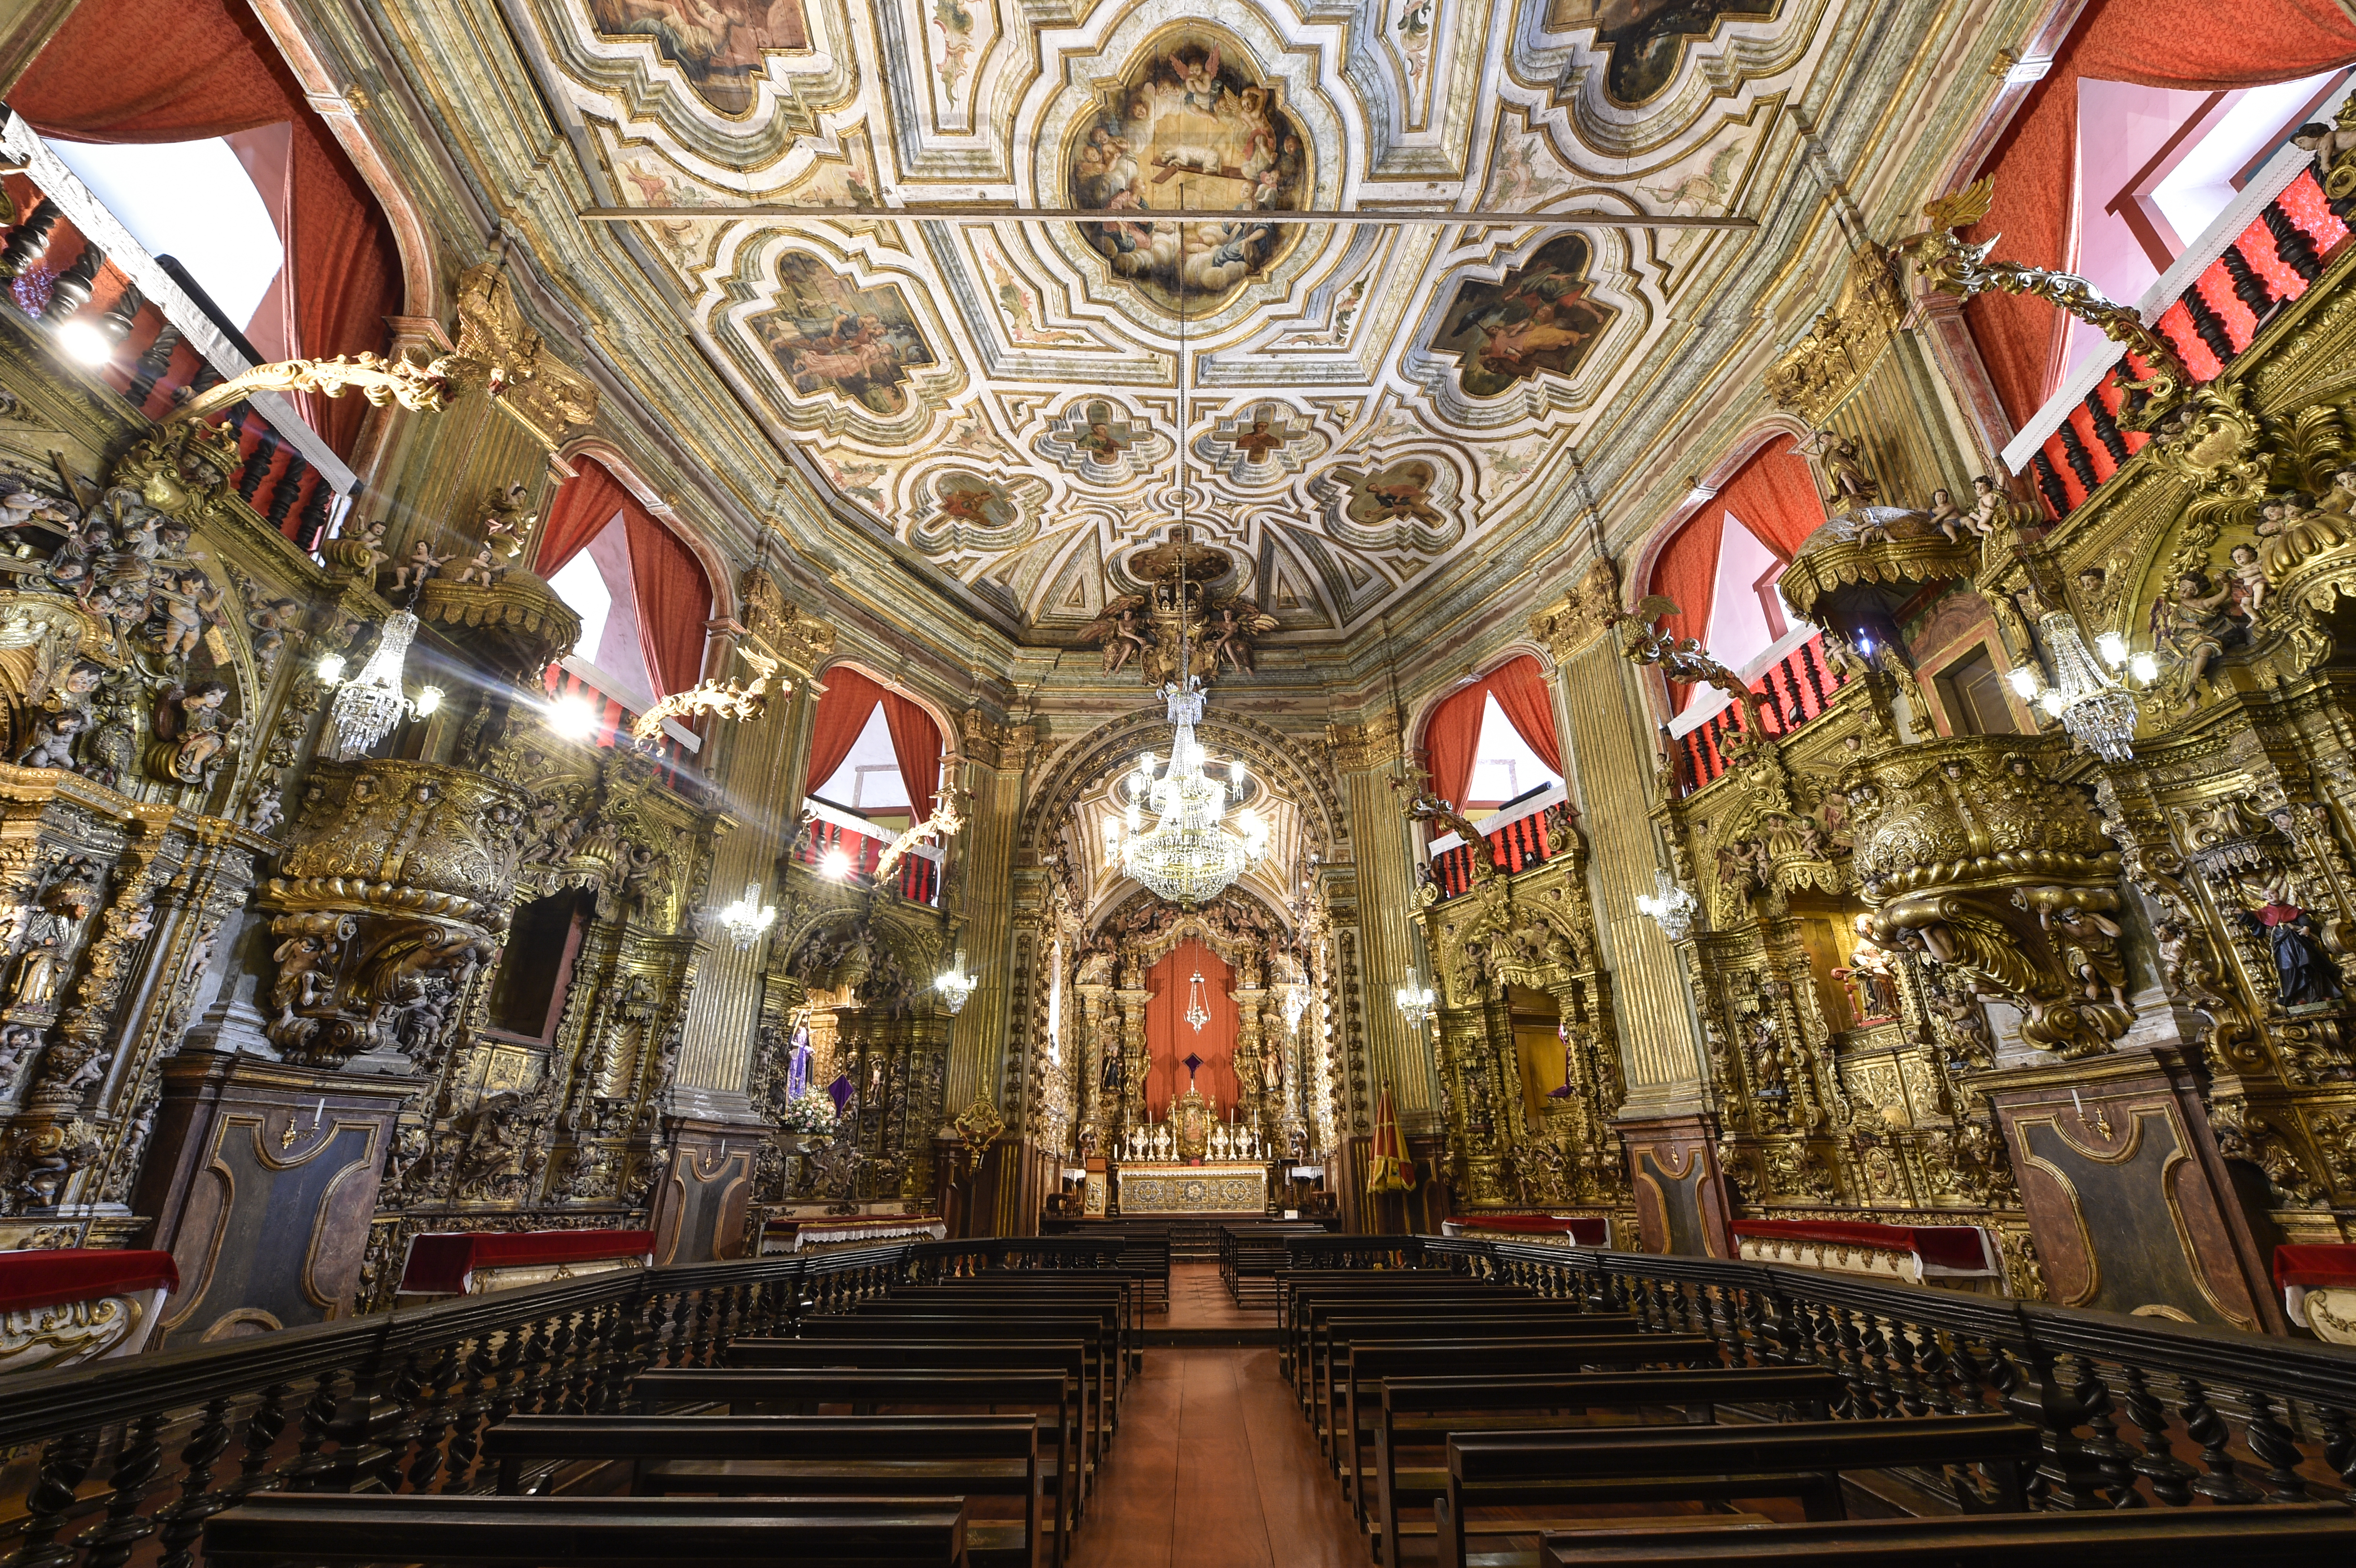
<point>1215,1186</point>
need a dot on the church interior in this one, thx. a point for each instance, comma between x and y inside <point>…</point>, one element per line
<point>750,812</point>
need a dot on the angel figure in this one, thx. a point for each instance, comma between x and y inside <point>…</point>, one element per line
<point>2249,575</point>
<point>53,740</point>
<point>1231,630</point>
<point>1947,518</point>
<point>181,606</point>
<point>1993,506</point>
<point>371,538</point>
<point>422,563</point>
<point>2191,627</point>
<point>483,568</point>
<point>1120,631</point>
<point>2090,950</point>
<point>192,731</point>
<point>505,522</point>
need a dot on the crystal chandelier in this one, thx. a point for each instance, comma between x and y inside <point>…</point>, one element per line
<point>748,918</point>
<point>955,984</point>
<point>1415,1000</point>
<point>1672,908</point>
<point>1190,853</point>
<point>2098,712</point>
<point>371,704</point>
<point>1196,1013</point>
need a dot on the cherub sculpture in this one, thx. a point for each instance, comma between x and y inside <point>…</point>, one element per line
<point>422,564</point>
<point>1121,631</point>
<point>1230,632</point>
<point>53,740</point>
<point>483,568</point>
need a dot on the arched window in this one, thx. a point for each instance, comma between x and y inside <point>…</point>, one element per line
<point>1492,751</point>
<point>2171,124</point>
<point>1721,568</point>
<point>199,138</point>
<point>875,772</point>
<point>639,590</point>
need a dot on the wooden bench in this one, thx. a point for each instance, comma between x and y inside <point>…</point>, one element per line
<point>1648,1464</point>
<point>803,1455</point>
<point>1318,1317</point>
<point>2295,1535</point>
<point>742,1391</point>
<point>1337,1335</point>
<point>1075,1359</point>
<point>1309,1306</point>
<point>1118,1297</point>
<point>273,1528</point>
<point>1413,1411</point>
<point>1250,1254</point>
<point>914,1320</point>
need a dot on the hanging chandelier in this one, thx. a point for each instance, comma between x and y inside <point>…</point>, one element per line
<point>1190,853</point>
<point>1196,1013</point>
<point>372,702</point>
<point>2097,711</point>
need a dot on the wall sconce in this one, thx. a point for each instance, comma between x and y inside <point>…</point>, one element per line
<point>955,984</point>
<point>1672,909</point>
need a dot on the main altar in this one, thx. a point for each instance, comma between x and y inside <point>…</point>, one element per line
<point>1215,1186</point>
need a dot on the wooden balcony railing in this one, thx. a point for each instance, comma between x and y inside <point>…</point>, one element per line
<point>1793,690</point>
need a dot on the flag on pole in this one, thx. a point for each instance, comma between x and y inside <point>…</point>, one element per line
<point>1391,1170</point>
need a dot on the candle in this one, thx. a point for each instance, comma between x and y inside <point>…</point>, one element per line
<point>2080,1103</point>
<point>319,1110</point>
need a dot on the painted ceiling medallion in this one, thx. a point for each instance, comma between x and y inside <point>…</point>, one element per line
<point>1189,128</point>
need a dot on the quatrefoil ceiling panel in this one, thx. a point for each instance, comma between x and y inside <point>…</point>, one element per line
<point>1364,401</point>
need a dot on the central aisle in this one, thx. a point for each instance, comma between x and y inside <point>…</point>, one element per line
<point>1215,1467</point>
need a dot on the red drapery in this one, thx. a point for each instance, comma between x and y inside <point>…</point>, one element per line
<point>1169,1037</point>
<point>182,71</point>
<point>842,712</point>
<point>1774,495</point>
<point>2210,46</point>
<point>1453,732</point>
<point>916,748</point>
<point>583,505</point>
<point>674,600</point>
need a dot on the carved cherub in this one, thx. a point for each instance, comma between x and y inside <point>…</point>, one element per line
<point>422,564</point>
<point>2249,575</point>
<point>506,522</point>
<point>181,607</point>
<point>370,537</point>
<point>1946,517</point>
<point>267,810</point>
<point>193,729</point>
<point>2090,950</point>
<point>1120,631</point>
<point>483,568</point>
<point>53,740</point>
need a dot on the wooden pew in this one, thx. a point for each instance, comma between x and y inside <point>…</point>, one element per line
<point>1415,1412</point>
<point>1644,1464</point>
<point>1118,1297</point>
<point>1306,1306</point>
<point>882,1321</point>
<point>1296,1292</point>
<point>722,1456</point>
<point>1075,1358</point>
<point>270,1528</point>
<point>2295,1535</point>
<point>1318,1316</point>
<point>1254,1252</point>
<point>1331,1349</point>
<point>742,1390</point>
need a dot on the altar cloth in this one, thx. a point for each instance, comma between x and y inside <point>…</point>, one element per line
<point>1215,1186</point>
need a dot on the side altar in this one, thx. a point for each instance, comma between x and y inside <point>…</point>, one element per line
<point>1215,1187</point>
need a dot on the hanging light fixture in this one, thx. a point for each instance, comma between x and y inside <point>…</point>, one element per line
<point>372,703</point>
<point>1415,1000</point>
<point>1673,908</point>
<point>955,984</point>
<point>1196,1013</point>
<point>2098,712</point>
<point>747,919</point>
<point>1190,853</point>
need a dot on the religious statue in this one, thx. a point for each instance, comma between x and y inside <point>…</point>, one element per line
<point>422,563</point>
<point>1847,486</point>
<point>2190,625</point>
<point>1121,631</point>
<point>191,731</point>
<point>2304,972</point>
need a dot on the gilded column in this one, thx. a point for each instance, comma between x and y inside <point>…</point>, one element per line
<point>1366,756</point>
<point>1095,1107</point>
<point>994,756</point>
<point>1134,1112</point>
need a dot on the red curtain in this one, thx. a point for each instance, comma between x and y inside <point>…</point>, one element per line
<point>1520,688</point>
<point>182,71</point>
<point>674,600</point>
<point>1450,737</point>
<point>2210,47</point>
<point>1169,1036</point>
<point>585,504</point>
<point>842,711</point>
<point>1776,496</point>
<point>916,748</point>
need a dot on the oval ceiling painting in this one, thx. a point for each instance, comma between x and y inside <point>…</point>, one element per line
<point>1190,129</point>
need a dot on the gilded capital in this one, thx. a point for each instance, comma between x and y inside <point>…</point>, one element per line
<point>1357,748</point>
<point>800,641</point>
<point>1577,619</point>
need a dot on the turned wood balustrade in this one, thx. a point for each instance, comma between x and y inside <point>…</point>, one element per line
<point>2136,1411</point>
<point>127,1459</point>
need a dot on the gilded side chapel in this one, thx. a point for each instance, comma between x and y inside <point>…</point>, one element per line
<point>674,668</point>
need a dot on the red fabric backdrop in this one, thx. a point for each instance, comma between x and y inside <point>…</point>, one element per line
<point>2207,47</point>
<point>1776,496</point>
<point>1453,732</point>
<point>1169,1037</point>
<point>674,596</point>
<point>842,713</point>
<point>182,71</point>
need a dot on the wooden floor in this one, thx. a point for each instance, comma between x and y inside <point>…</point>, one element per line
<point>1198,1300</point>
<point>1215,1467</point>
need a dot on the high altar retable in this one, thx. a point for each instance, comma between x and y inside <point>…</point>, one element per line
<point>1218,1186</point>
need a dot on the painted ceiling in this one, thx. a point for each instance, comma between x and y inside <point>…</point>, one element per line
<point>1363,402</point>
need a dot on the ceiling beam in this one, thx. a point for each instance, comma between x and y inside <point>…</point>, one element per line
<point>966,213</point>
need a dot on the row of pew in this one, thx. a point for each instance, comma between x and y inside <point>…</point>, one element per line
<point>960,1424</point>
<point>1470,1423</point>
